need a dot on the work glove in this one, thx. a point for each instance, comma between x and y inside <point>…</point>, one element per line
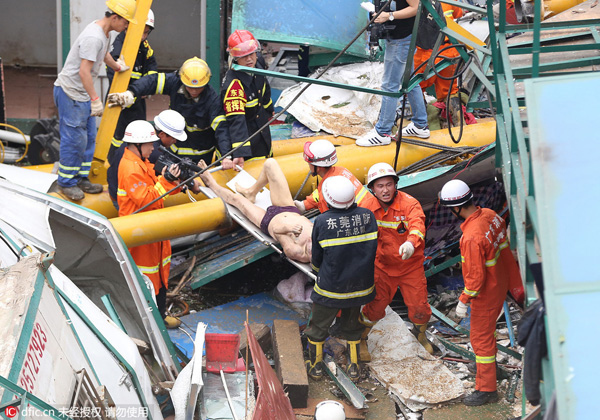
<point>406,250</point>
<point>461,309</point>
<point>122,99</point>
<point>97,108</point>
<point>122,65</point>
<point>368,6</point>
<point>300,206</point>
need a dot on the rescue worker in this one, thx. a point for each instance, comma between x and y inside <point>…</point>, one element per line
<point>138,186</point>
<point>78,102</point>
<point>170,128</point>
<point>145,63</point>
<point>399,261</point>
<point>344,243</point>
<point>487,266</point>
<point>321,158</point>
<point>192,97</point>
<point>246,101</point>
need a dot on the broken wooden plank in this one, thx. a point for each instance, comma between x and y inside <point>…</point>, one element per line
<point>289,361</point>
<point>262,333</point>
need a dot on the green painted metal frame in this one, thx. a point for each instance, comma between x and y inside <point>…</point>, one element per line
<point>513,151</point>
<point>25,399</point>
<point>213,41</point>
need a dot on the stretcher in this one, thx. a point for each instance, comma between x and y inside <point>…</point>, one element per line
<point>263,200</point>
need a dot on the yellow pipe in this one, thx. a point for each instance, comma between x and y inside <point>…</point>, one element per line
<point>357,159</point>
<point>554,7</point>
<point>287,147</point>
<point>171,222</point>
<point>108,123</point>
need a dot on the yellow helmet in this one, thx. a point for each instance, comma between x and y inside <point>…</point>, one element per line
<point>194,73</point>
<point>123,8</point>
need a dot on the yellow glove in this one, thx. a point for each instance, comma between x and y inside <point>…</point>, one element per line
<point>97,108</point>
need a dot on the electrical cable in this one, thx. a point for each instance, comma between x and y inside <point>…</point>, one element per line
<point>275,116</point>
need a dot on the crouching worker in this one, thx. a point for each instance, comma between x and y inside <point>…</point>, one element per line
<point>344,243</point>
<point>399,262</point>
<point>138,186</point>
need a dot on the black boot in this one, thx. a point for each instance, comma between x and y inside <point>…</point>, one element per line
<point>480,398</point>
<point>314,366</point>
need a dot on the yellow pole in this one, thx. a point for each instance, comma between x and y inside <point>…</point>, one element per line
<point>171,222</point>
<point>120,82</point>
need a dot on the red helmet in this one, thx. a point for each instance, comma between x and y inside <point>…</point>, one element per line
<point>241,43</point>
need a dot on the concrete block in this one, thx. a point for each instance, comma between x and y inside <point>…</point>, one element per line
<point>289,361</point>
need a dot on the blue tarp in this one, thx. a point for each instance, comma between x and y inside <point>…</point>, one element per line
<point>262,308</point>
<point>328,24</point>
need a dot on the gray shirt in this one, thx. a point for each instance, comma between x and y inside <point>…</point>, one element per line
<point>91,44</point>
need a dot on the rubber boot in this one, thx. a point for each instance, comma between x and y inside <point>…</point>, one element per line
<point>352,369</point>
<point>314,366</point>
<point>478,398</point>
<point>422,338</point>
<point>363,354</point>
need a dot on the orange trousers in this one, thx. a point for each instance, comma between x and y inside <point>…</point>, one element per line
<point>413,287</point>
<point>441,86</point>
<point>483,340</point>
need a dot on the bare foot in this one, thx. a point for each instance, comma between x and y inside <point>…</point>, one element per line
<point>246,192</point>
<point>205,176</point>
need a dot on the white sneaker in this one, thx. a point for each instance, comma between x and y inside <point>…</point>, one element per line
<point>411,130</point>
<point>373,138</point>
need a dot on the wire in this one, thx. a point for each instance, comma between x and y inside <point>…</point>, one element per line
<point>2,152</point>
<point>275,116</point>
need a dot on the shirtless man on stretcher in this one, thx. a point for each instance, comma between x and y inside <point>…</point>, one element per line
<point>282,221</point>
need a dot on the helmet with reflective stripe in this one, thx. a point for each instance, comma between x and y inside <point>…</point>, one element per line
<point>241,43</point>
<point>320,153</point>
<point>139,131</point>
<point>194,73</point>
<point>330,410</point>
<point>380,170</point>
<point>123,8</point>
<point>338,192</point>
<point>455,193</point>
<point>172,123</point>
<point>150,19</point>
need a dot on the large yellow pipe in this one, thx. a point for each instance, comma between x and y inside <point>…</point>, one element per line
<point>357,159</point>
<point>287,147</point>
<point>171,222</point>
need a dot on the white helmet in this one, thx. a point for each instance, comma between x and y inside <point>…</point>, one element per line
<point>455,193</point>
<point>172,123</point>
<point>330,410</point>
<point>139,131</point>
<point>150,19</point>
<point>320,153</point>
<point>380,170</point>
<point>338,192</point>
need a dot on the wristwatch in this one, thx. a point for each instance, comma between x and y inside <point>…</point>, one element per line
<point>391,17</point>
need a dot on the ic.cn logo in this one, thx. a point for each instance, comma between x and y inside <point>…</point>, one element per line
<point>10,411</point>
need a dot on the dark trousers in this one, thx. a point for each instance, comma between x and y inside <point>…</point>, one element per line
<point>321,318</point>
<point>161,302</point>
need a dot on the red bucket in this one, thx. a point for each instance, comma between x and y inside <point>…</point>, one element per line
<point>221,352</point>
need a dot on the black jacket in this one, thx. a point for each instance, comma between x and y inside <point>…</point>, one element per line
<point>206,126</point>
<point>145,63</point>
<point>248,106</point>
<point>344,243</point>
<point>531,333</point>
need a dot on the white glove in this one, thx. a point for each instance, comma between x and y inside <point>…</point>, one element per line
<point>122,99</point>
<point>300,206</point>
<point>368,6</point>
<point>122,65</point>
<point>406,250</point>
<point>97,108</point>
<point>461,310</point>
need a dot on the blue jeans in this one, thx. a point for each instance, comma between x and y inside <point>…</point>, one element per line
<point>394,62</point>
<point>77,138</point>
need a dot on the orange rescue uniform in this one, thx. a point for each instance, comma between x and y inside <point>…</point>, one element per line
<point>316,198</point>
<point>138,185</point>
<point>402,221</point>
<point>421,55</point>
<point>487,266</point>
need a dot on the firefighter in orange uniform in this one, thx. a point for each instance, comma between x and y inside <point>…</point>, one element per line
<point>138,186</point>
<point>321,158</point>
<point>399,261</point>
<point>487,265</point>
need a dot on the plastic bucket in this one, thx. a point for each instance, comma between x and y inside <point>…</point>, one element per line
<point>221,352</point>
